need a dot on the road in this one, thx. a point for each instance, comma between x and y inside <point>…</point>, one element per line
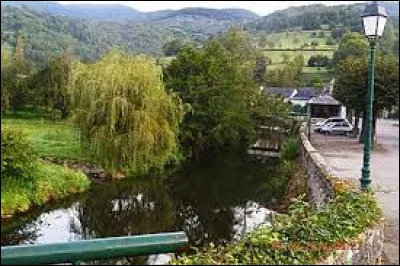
<point>345,156</point>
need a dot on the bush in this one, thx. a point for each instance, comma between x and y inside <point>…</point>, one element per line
<point>290,149</point>
<point>302,236</point>
<point>18,159</point>
<point>330,41</point>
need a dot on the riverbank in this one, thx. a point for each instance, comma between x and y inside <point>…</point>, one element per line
<point>29,181</point>
<point>49,182</point>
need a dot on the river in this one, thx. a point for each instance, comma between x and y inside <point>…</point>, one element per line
<point>216,200</point>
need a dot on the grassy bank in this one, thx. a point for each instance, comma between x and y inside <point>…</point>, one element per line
<point>26,180</point>
<point>49,182</point>
<point>49,138</point>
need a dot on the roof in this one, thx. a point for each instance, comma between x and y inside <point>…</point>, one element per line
<point>278,91</point>
<point>324,100</point>
<point>305,94</point>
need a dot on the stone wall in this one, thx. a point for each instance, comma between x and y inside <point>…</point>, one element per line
<point>321,183</point>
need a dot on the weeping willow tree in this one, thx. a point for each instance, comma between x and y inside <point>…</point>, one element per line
<point>128,121</point>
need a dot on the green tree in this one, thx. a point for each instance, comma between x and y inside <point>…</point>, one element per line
<point>351,44</point>
<point>287,76</point>
<point>127,120</point>
<point>14,84</point>
<point>5,94</point>
<point>260,69</point>
<point>217,89</point>
<point>387,42</point>
<point>51,85</point>
<point>19,50</point>
<point>330,41</point>
<point>262,42</point>
<point>350,87</point>
<point>314,43</point>
<point>172,47</point>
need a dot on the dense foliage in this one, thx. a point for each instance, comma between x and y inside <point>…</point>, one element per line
<point>46,34</point>
<point>319,61</point>
<point>127,119</point>
<point>18,159</point>
<point>302,236</point>
<point>50,85</point>
<point>351,84</point>
<point>219,85</point>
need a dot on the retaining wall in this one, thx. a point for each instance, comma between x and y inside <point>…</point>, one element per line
<point>321,183</point>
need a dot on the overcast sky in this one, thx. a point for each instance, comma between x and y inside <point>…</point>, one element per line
<point>258,7</point>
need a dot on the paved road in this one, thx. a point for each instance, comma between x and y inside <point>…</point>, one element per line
<point>345,157</point>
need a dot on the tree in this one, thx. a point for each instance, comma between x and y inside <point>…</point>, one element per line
<point>318,61</point>
<point>5,57</point>
<point>287,76</point>
<point>351,44</point>
<point>51,85</point>
<point>215,87</point>
<point>263,41</point>
<point>386,43</point>
<point>19,50</point>
<point>260,69</point>
<point>330,41</point>
<point>14,79</point>
<point>127,120</point>
<point>350,87</point>
<point>285,58</point>
<point>337,33</point>
<point>5,94</point>
<point>217,81</point>
<point>172,47</point>
<point>314,43</point>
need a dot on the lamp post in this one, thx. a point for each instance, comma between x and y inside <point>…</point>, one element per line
<point>374,19</point>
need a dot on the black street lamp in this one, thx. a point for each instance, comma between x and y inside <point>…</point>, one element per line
<point>374,19</point>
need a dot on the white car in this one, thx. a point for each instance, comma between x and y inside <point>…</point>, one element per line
<point>319,125</point>
<point>336,128</point>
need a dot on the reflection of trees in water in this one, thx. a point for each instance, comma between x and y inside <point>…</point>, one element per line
<point>128,207</point>
<point>24,228</point>
<point>24,235</point>
<point>207,194</point>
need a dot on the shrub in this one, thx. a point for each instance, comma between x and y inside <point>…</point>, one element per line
<point>302,236</point>
<point>290,149</point>
<point>330,41</point>
<point>18,158</point>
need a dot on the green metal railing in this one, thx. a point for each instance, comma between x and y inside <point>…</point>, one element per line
<point>93,249</point>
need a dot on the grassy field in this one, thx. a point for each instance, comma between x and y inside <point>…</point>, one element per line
<point>49,138</point>
<point>277,56</point>
<point>298,39</point>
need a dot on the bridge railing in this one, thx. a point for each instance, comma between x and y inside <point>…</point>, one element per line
<point>93,249</point>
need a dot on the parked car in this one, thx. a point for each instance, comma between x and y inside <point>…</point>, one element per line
<point>335,128</point>
<point>319,125</point>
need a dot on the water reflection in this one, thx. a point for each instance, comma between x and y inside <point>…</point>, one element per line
<point>218,200</point>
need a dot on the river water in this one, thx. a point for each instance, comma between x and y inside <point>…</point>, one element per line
<point>217,200</point>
